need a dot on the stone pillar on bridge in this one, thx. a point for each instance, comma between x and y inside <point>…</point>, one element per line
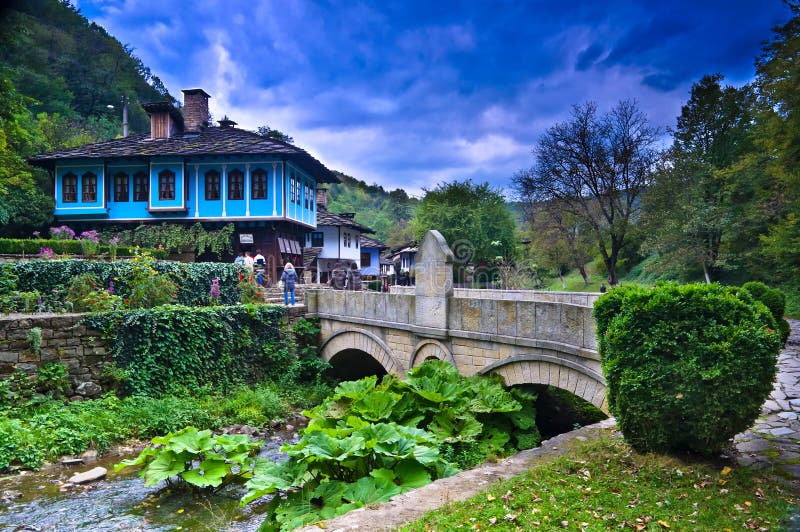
<point>434,281</point>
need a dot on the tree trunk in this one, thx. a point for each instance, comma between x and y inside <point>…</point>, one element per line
<point>561,278</point>
<point>582,270</point>
<point>705,273</point>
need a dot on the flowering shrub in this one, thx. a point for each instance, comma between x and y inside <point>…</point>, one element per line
<point>113,244</point>
<point>90,243</point>
<point>215,291</point>
<point>251,292</point>
<point>46,253</point>
<point>62,233</point>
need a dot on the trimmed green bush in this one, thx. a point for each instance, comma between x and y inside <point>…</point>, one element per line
<point>193,279</point>
<point>687,367</point>
<point>775,302</point>
<point>173,347</point>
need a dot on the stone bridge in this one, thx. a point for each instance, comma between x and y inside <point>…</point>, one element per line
<point>526,337</point>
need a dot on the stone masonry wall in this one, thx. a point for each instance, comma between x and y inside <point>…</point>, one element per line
<point>64,340</point>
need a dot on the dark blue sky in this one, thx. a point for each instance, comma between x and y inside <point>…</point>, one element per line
<point>408,94</point>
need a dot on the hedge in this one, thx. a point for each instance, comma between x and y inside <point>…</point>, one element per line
<point>687,367</point>
<point>193,278</point>
<point>173,347</point>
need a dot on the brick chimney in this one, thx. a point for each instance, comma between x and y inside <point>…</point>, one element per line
<point>195,110</point>
<point>322,197</point>
<point>165,120</point>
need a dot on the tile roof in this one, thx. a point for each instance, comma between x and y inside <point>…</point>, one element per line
<point>367,242</point>
<point>328,218</point>
<point>310,256</point>
<point>210,141</point>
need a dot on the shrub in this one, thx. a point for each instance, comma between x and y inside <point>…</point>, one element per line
<point>192,279</point>
<point>774,300</point>
<point>687,367</point>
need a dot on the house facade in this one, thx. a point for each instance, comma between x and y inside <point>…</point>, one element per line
<point>371,263</point>
<point>186,171</point>
<point>336,241</point>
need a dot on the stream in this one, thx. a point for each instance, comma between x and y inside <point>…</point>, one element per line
<point>122,502</point>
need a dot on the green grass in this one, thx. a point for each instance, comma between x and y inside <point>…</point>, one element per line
<point>605,485</point>
<point>31,433</point>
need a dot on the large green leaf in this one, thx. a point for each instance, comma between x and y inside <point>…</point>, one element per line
<point>165,465</point>
<point>355,390</point>
<point>524,418</point>
<point>371,490</point>
<point>447,427</point>
<point>426,455</point>
<point>376,406</point>
<point>351,446</point>
<point>190,440</point>
<point>144,456</point>
<point>411,475</point>
<point>210,474</point>
<point>491,397</point>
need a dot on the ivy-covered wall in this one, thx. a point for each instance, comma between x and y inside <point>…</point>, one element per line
<point>161,350</point>
<point>174,347</point>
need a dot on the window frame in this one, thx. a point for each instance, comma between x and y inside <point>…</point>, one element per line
<point>141,186</point>
<point>235,176</point>
<point>259,174</point>
<point>89,187</point>
<point>69,188</point>
<point>166,185</point>
<point>211,184</point>
<point>122,183</point>
<point>317,236</point>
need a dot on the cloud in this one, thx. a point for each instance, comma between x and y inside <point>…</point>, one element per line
<point>412,94</point>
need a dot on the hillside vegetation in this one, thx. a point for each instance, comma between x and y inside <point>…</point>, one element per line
<point>388,213</point>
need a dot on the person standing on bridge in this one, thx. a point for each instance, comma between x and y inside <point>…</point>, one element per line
<point>289,278</point>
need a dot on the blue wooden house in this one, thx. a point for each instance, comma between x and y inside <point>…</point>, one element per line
<point>187,171</point>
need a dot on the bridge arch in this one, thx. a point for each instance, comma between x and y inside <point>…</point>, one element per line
<point>430,349</point>
<point>554,371</point>
<point>351,340</point>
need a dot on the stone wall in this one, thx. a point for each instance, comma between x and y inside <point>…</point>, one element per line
<point>63,339</point>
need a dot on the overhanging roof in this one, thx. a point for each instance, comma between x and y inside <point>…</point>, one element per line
<point>212,141</point>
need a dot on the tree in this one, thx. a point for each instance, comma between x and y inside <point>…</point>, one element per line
<point>596,168</point>
<point>778,82</point>
<point>560,240</point>
<point>269,133</point>
<point>471,217</point>
<point>692,208</point>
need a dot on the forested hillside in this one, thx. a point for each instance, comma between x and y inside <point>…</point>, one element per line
<point>58,75</point>
<point>387,212</point>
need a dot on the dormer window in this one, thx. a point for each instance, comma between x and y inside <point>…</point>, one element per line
<point>259,184</point>
<point>235,185</point>
<point>88,187</point>
<point>166,185</point>
<point>69,188</point>
<point>212,185</point>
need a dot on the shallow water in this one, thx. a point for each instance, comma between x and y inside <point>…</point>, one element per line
<point>121,502</point>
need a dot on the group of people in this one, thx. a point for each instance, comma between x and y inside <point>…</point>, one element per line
<point>257,264</point>
<point>343,278</point>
